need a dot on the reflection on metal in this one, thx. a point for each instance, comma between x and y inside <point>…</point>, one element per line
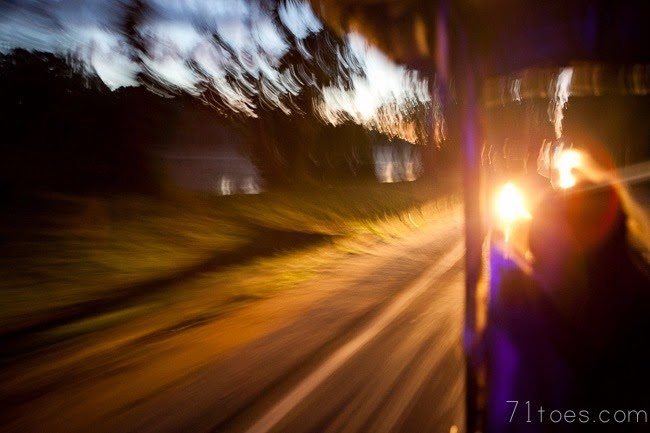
<point>560,99</point>
<point>586,79</point>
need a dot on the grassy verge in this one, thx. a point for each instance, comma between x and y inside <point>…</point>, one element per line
<point>75,265</point>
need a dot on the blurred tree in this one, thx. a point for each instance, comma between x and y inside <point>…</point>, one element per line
<point>319,60</point>
<point>55,111</point>
<point>77,134</point>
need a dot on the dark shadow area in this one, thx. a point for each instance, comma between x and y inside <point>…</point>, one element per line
<point>267,242</point>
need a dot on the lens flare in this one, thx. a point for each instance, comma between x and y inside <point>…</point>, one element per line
<point>567,161</point>
<point>510,204</point>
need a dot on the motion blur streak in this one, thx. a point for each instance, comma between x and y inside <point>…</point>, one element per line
<point>562,93</point>
<point>387,98</point>
<point>299,18</point>
<point>90,33</point>
<point>342,355</point>
<point>624,180</point>
<point>588,79</point>
<point>238,56</point>
<point>395,164</point>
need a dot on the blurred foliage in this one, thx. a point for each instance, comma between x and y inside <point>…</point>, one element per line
<point>66,132</point>
<point>71,256</point>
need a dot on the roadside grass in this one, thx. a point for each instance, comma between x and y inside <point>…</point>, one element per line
<point>80,255</point>
<point>78,251</point>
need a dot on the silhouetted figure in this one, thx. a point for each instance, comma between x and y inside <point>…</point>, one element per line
<point>571,335</point>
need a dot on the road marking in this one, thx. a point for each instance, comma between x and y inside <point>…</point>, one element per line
<point>345,352</point>
<point>416,380</point>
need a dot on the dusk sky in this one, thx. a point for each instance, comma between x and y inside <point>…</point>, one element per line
<point>179,33</point>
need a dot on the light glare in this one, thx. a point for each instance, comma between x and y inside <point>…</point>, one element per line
<point>567,161</point>
<point>510,204</point>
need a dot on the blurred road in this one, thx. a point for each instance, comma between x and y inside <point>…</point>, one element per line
<point>378,350</point>
<point>402,371</point>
